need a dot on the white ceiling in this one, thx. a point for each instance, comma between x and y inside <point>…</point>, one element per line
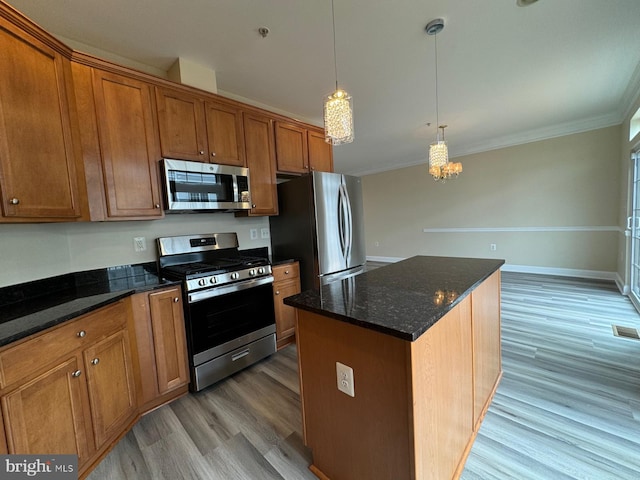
<point>507,74</point>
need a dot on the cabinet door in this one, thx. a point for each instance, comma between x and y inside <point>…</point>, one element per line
<point>320,152</point>
<point>111,386</point>
<point>169,339</point>
<point>183,131</point>
<point>258,137</point>
<point>224,133</point>
<point>285,315</point>
<point>48,414</point>
<point>37,159</point>
<point>291,148</point>
<point>130,147</point>
<point>487,364</point>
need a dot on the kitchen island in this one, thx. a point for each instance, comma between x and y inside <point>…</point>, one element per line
<point>422,339</point>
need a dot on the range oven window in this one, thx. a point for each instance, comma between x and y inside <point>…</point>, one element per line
<point>200,187</point>
<point>217,320</point>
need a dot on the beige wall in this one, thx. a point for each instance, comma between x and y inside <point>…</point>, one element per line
<point>552,204</point>
<point>34,251</point>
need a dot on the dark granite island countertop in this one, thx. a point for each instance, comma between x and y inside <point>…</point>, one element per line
<point>402,299</point>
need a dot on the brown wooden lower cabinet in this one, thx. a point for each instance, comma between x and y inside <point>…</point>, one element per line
<point>161,348</point>
<point>77,402</point>
<point>417,405</point>
<point>286,282</point>
<point>78,387</point>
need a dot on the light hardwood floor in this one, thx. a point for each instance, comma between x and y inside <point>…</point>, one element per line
<point>568,406</point>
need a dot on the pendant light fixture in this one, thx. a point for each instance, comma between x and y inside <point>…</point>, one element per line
<point>338,107</point>
<point>439,166</point>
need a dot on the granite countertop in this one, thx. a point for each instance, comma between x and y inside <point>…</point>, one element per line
<point>32,307</point>
<point>403,299</point>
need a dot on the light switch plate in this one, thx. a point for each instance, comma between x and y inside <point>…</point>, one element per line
<point>254,233</point>
<point>264,232</point>
<point>344,375</point>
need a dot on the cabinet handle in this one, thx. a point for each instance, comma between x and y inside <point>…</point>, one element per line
<point>176,299</point>
<point>213,154</point>
<point>253,205</point>
<point>277,292</point>
<point>76,374</point>
<point>95,361</point>
<point>201,152</point>
<point>14,201</point>
<point>157,205</point>
<point>81,334</point>
<point>286,272</point>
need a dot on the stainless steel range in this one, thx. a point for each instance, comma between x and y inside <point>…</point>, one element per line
<point>229,315</point>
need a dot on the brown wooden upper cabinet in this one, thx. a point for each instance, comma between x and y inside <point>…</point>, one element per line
<point>301,150</point>
<point>38,179</point>
<point>129,145</point>
<point>192,128</point>
<point>258,131</point>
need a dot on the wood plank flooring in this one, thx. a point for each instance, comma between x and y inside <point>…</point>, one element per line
<point>568,406</point>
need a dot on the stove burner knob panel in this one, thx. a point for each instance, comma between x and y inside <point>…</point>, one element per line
<point>235,276</point>
<point>202,282</point>
<point>212,280</point>
<point>252,272</point>
<point>261,270</point>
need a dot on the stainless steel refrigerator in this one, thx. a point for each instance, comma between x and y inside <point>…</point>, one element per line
<point>320,223</point>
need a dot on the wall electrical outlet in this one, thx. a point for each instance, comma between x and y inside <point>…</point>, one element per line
<point>139,244</point>
<point>254,233</point>
<point>493,247</point>
<point>264,232</point>
<point>345,379</point>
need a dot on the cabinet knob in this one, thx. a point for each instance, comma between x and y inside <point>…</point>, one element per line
<point>201,152</point>
<point>286,272</point>
<point>176,299</point>
<point>14,201</point>
<point>81,333</point>
<point>157,205</point>
<point>213,154</point>
<point>277,292</point>
<point>95,361</point>
<point>76,374</point>
<point>253,205</point>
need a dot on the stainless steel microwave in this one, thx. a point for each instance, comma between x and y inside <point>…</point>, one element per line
<point>194,186</point>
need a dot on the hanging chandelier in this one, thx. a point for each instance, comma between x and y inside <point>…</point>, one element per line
<point>338,107</point>
<point>439,166</point>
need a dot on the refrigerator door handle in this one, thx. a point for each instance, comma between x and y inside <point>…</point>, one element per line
<point>348,223</point>
<point>342,221</point>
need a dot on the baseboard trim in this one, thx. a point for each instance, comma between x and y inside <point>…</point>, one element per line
<point>384,259</point>
<point>624,288</point>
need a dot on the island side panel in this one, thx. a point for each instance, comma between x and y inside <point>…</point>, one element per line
<point>366,436</point>
<point>442,385</point>
<point>487,360</point>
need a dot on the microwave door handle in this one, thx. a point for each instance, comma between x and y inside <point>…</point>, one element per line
<point>234,183</point>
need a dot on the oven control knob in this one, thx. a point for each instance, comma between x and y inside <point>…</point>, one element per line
<point>212,280</point>
<point>202,282</point>
<point>235,276</point>
<point>261,270</point>
<point>252,273</point>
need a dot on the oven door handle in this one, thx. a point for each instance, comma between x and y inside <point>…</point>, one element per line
<point>225,289</point>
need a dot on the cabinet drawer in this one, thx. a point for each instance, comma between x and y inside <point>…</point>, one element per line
<point>30,356</point>
<point>286,272</point>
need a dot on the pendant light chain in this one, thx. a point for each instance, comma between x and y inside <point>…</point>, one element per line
<point>335,57</point>
<point>435,38</point>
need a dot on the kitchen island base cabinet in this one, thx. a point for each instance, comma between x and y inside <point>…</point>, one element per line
<point>412,416</point>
